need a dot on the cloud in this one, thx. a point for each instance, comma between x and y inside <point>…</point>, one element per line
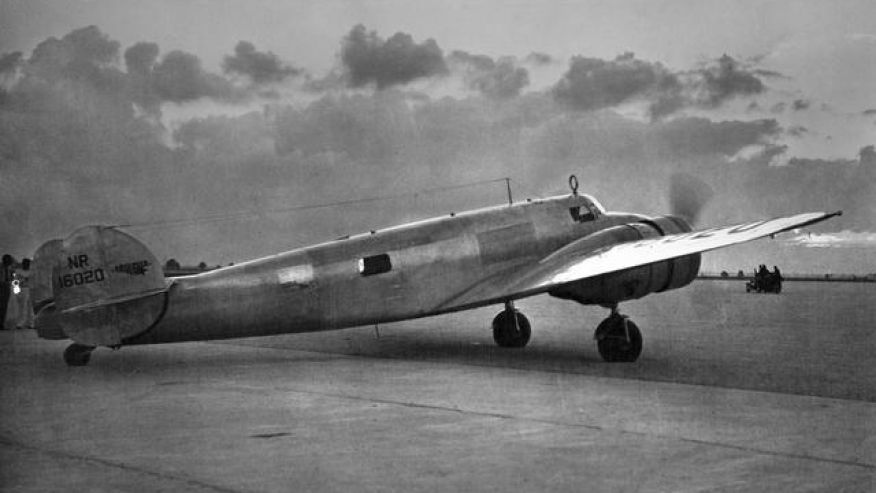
<point>368,59</point>
<point>778,107</point>
<point>800,104</point>
<point>85,55</point>
<point>702,136</point>
<point>9,70</point>
<point>141,57</point>
<point>724,79</point>
<point>10,62</point>
<point>797,130</point>
<point>179,77</point>
<point>482,63</point>
<point>261,67</point>
<point>536,58</point>
<point>772,74</point>
<point>592,83</point>
<point>841,239</point>
<point>496,80</point>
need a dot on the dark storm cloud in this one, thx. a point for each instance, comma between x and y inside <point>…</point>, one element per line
<point>800,104</point>
<point>176,77</point>
<point>140,58</point>
<point>180,77</point>
<point>85,54</point>
<point>260,66</point>
<point>88,56</point>
<point>504,81</point>
<point>536,58</point>
<point>724,79</point>
<point>369,59</point>
<point>140,61</point>
<point>477,62</point>
<point>592,83</point>
<point>10,62</point>
<point>500,79</point>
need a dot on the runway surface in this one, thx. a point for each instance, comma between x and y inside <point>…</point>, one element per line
<point>733,392</point>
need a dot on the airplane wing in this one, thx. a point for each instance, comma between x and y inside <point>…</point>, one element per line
<point>576,261</point>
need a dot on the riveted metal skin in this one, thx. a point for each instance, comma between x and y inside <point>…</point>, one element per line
<point>321,288</point>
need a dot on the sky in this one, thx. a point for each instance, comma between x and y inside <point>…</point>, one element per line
<point>206,125</point>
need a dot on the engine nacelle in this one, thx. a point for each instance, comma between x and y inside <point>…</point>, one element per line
<point>636,282</point>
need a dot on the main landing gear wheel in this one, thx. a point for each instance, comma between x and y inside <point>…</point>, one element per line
<point>511,328</point>
<point>618,339</point>
<point>77,354</point>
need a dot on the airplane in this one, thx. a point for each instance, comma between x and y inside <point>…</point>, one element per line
<point>100,286</point>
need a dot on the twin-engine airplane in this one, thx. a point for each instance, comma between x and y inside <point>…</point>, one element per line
<point>102,287</point>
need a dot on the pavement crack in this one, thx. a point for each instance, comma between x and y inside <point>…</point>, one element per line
<point>588,426</point>
<point>60,454</point>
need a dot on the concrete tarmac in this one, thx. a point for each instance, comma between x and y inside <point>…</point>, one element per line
<point>432,405</point>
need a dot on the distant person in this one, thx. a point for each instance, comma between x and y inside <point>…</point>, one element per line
<point>777,279</point>
<point>6,272</point>
<point>23,316</point>
<point>763,276</point>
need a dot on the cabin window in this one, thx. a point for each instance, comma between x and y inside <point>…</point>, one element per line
<point>375,264</point>
<point>580,217</point>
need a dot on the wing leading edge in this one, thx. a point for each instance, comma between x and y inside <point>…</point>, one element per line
<point>577,261</point>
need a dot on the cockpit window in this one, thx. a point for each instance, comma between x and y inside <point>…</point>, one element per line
<point>583,214</point>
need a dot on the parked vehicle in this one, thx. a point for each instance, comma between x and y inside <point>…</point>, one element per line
<point>765,281</point>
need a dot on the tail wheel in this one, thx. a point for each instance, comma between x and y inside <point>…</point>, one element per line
<point>618,340</point>
<point>77,354</point>
<point>511,329</point>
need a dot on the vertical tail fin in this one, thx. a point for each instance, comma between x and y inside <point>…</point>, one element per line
<point>106,286</point>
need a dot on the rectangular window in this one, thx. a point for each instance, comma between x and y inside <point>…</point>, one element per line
<point>375,264</point>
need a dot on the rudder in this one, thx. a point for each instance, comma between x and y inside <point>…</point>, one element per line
<point>107,286</point>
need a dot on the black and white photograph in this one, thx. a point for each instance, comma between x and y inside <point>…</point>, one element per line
<point>460,245</point>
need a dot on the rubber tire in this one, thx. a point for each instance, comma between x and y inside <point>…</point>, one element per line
<point>506,333</point>
<point>613,347</point>
<point>77,354</point>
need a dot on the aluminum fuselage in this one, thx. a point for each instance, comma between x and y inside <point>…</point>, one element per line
<point>322,287</point>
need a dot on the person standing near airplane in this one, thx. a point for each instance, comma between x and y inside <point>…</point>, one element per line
<point>21,317</point>
<point>6,273</point>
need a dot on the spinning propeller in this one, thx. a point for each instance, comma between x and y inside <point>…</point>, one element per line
<point>688,195</point>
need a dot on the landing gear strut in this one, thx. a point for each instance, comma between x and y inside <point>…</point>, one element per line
<point>511,328</point>
<point>77,354</point>
<point>618,339</point>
